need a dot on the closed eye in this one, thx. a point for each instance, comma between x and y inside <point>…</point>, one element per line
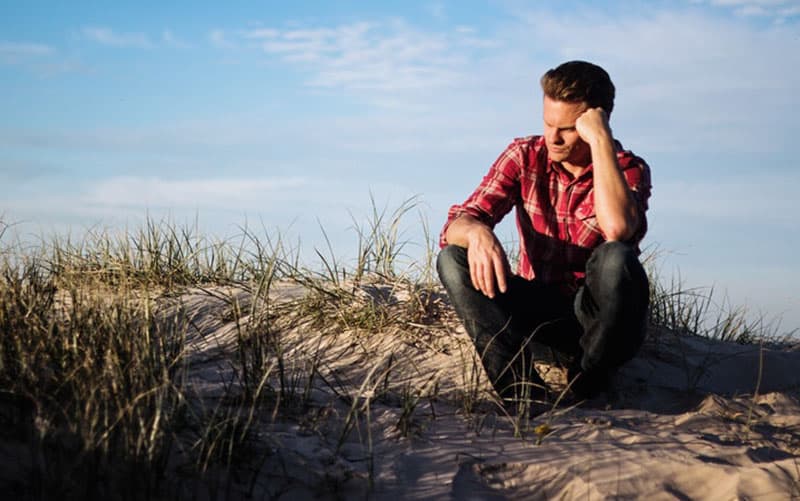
<point>561,129</point>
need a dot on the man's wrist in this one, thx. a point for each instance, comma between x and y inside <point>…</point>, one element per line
<point>475,229</point>
<point>600,141</point>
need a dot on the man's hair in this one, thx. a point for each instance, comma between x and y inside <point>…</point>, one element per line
<point>580,82</point>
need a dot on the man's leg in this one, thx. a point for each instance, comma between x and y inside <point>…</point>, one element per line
<point>500,326</point>
<point>611,307</point>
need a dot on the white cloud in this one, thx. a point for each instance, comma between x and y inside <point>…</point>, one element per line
<point>26,54</point>
<point>778,10</point>
<point>373,56</point>
<point>40,59</point>
<point>261,33</point>
<point>753,11</point>
<point>107,36</point>
<point>12,50</point>
<point>219,39</point>
<point>686,81</point>
<point>760,3</point>
<point>171,40</point>
<point>155,192</point>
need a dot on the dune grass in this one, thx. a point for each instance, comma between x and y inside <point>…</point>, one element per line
<point>699,311</point>
<point>93,362</point>
<point>92,381</point>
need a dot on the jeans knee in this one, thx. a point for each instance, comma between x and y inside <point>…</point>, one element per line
<point>613,259</point>
<point>452,265</point>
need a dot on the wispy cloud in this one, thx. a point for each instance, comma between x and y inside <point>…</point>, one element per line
<point>261,33</point>
<point>171,40</point>
<point>382,56</point>
<point>687,81</point>
<point>779,10</point>
<point>220,40</point>
<point>111,38</point>
<point>18,53</point>
<point>156,192</point>
<point>40,59</point>
<point>668,65</point>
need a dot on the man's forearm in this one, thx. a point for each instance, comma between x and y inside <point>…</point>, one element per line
<point>615,206</point>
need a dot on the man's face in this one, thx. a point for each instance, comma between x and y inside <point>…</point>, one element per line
<point>564,144</point>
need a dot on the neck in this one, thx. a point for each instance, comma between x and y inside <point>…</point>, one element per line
<point>573,169</point>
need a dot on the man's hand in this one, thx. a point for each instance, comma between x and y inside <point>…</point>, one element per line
<point>488,263</point>
<point>487,260</point>
<point>593,126</point>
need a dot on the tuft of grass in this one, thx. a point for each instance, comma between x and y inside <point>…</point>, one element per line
<point>159,254</point>
<point>697,311</point>
<point>99,377</point>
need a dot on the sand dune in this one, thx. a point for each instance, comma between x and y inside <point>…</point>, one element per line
<point>407,414</point>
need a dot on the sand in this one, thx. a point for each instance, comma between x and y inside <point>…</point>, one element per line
<point>407,414</point>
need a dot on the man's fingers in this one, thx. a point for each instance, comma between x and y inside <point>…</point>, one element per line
<point>473,272</point>
<point>500,273</point>
<point>488,279</point>
<point>484,279</point>
<point>488,273</point>
<point>479,276</point>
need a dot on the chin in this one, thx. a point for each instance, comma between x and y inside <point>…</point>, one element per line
<point>558,153</point>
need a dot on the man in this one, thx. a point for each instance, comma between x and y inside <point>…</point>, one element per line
<point>580,204</point>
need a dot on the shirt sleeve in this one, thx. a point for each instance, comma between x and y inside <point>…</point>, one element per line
<point>496,195</point>
<point>637,175</point>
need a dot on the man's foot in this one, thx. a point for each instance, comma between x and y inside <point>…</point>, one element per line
<point>588,384</point>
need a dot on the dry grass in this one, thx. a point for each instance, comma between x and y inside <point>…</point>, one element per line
<point>93,363</point>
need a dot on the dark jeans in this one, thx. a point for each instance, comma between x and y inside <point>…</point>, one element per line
<point>600,327</point>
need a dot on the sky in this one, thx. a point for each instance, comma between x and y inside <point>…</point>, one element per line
<point>289,116</point>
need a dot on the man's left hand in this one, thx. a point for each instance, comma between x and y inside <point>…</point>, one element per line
<point>593,126</point>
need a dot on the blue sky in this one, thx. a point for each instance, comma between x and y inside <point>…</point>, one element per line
<point>284,114</point>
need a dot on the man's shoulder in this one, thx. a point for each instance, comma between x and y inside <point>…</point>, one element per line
<point>524,150</point>
<point>627,158</point>
<point>528,143</point>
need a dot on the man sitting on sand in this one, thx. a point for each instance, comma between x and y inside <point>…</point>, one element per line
<point>580,204</point>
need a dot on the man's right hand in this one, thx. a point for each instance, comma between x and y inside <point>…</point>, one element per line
<point>488,264</point>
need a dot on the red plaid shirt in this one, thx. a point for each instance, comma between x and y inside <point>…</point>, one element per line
<point>555,212</point>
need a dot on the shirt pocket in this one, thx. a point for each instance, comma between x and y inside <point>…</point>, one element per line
<point>586,219</point>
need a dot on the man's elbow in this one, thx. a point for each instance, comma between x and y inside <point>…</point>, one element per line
<point>617,235</point>
<point>621,230</point>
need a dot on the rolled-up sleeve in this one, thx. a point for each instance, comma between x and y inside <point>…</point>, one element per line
<point>495,196</point>
<point>637,176</point>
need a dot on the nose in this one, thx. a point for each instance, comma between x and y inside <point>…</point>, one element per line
<point>553,136</point>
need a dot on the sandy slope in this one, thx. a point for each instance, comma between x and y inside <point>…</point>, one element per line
<point>689,418</point>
